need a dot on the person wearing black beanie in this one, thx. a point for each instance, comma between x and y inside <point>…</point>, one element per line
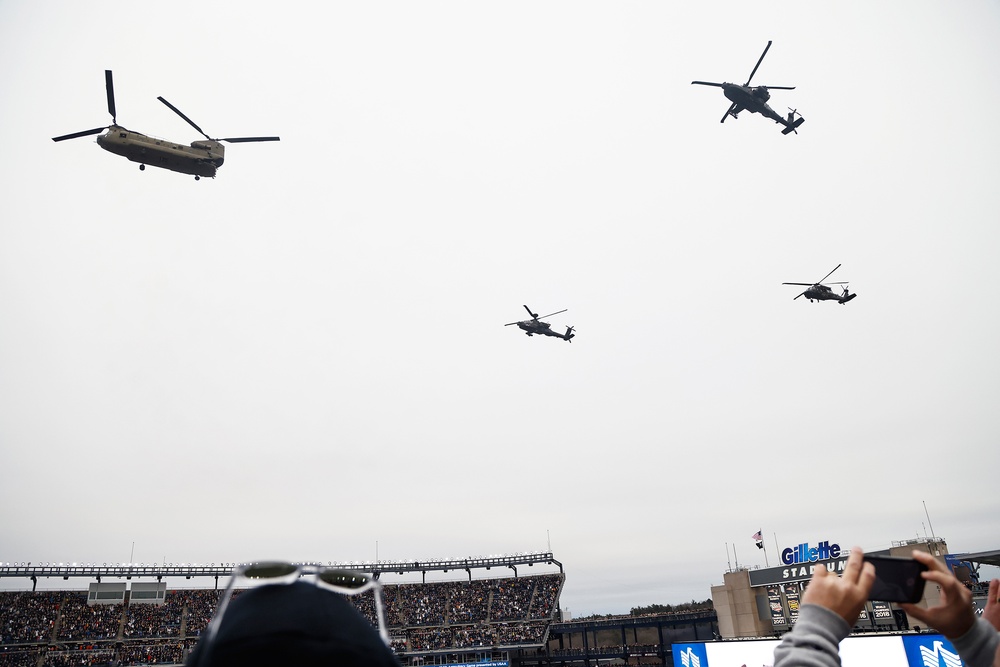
<point>296,624</point>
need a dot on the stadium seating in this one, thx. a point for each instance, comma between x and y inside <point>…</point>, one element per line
<point>58,628</point>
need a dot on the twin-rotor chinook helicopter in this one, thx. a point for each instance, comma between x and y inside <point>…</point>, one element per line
<point>536,326</point>
<point>201,158</point>
<point>818,291</point>
<point>754,99</point>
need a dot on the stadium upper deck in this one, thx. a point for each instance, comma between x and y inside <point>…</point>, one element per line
<point>60,627</point>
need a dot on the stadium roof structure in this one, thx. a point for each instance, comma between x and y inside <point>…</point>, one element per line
<point>128,570</point>
<point>991,557</point>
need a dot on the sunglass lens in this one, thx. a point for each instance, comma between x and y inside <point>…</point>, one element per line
<point>344,579</point>
<point>269,570</point>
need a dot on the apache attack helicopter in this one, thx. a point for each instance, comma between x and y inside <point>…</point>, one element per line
<point>819,291</point>
<point>754,99</point>
<point>536,326</point>
<point>201,158</point>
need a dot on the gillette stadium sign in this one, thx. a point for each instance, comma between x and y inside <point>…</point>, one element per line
<point>803,553</point>
<point>799,563</point>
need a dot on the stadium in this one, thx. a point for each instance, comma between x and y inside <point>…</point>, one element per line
<point>503,610</point>
<point>499,611</point>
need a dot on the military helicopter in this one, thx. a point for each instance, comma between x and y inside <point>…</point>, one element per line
<point>536,326</point>
<point>201,158</point>
<point>819,291</point>
<point>754,99</point>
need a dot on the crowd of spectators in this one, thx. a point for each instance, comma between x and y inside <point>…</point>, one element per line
<point>78,621</point>
<point>436,616</point>
<point>200,606</point>
<point>19,656</point>
<point>163,653</point>
<point>80,658</point>
<point>27,617</point>
<point>155,620</point>
<point>470,602</point>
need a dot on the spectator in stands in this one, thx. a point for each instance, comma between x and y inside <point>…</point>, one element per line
<point>291,624</point>
<point>831,605</point>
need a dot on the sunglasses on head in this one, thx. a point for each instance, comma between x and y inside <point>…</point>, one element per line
<point>268,573</point>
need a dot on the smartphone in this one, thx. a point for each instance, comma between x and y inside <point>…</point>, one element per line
<point>896,579</point>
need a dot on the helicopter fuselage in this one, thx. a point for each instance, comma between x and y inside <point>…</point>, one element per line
<point>201,158</point>
<point>824,293</point>
<point>532,327</point>
<point>536,327</point>
<point>753,99</point>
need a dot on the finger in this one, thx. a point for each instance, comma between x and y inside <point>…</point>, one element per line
<point>942,579</point>
<point>930,561</point>
<point>994,594</point>
<point>950,586</point>
<point>852,570</point>
<point>867,578</point>
<point>916,612</point>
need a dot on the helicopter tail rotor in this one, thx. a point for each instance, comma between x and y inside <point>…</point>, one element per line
<point>792,124</point>
<point>569,335</point>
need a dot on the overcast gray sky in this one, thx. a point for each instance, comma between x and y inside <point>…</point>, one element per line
<point>306,356</point>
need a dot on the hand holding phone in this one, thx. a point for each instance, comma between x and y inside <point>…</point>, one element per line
<point>896,579</point>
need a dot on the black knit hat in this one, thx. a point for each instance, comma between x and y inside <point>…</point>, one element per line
<point>298,625</point>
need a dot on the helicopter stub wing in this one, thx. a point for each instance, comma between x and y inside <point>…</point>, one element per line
<point>732,108</point>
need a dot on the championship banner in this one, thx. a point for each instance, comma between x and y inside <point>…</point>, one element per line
<point>774,602</point>
<point>881,612</point>
<point>792,598</point>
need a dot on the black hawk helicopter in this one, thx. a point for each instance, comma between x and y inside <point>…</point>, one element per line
<point>536,326</point>
<point>201,158</point>
<point>754,99</point>
<point>819,291</point>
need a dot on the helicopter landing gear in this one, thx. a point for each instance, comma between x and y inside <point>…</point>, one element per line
<point>197,178</point>
<point>142,167</point>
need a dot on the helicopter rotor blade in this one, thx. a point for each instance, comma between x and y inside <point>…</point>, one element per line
<point>237,140</point>
<point>510,323</point>
<point>798,296</point>
<point>758,63</point>
<point>534,316</point>
<point>803,284</point>
<point>827,275</point>
<point>110,85</point>
<point>189,121</point>
<point>708,83</point>
<point>777,88</point>
<point>555,313</point>
<point>96,130</point>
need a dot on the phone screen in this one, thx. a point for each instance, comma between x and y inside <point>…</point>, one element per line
<point>896,579</point>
